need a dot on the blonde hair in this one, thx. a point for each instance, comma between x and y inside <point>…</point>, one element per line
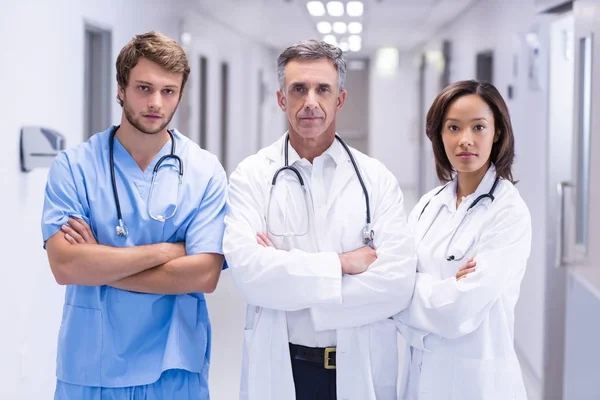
<point>155,47</point>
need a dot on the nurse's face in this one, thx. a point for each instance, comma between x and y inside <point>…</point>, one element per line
<point>151,96</point>
<point>311,97</point>
<point>468,134</point>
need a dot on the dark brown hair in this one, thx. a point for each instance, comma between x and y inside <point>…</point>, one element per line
<point>157,48</point>
<point>503,150</point>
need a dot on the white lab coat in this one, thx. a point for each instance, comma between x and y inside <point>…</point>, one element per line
<point>305,273</point>
<point>461,333</point>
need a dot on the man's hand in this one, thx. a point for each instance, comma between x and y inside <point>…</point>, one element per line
<point>357,261</point>
<point>466,269</point>
<point>78,232</point>
<point>353,262</point>
<point>263,240</point>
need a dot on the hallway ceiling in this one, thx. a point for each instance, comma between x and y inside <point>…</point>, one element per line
<point>403,24</point>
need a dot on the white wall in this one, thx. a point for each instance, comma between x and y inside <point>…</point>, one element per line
<point>42,79</point>
<point>393,121</point>
<point>498,25</point>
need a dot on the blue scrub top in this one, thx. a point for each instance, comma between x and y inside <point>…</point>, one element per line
<point>116,338</point>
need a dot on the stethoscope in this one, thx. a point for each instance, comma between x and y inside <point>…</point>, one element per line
<point>367,233</point>
<point>122,228</point>
<point>488,195</point>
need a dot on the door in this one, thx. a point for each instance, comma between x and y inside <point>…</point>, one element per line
<point>97,80</point>
<point>581,233</point>
<point>352,122</point>
<point>430,80</point>
<point>485,66</point>
<point>560,159</point>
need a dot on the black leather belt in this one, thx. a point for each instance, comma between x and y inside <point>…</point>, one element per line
<point>320,355</point>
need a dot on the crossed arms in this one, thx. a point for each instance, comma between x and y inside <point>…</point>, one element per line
<point>77,259</point>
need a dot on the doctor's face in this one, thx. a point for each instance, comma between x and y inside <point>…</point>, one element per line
<point>468,133</point>
<point>151,96</point>
<point>311,97</point>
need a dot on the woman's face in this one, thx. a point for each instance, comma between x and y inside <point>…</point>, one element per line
<point>468,134</point>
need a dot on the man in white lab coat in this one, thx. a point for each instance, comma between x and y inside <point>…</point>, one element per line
<point>321,266</point>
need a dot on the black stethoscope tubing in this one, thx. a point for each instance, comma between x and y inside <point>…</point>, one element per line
<point>368,234</point>
<point>121,229</point>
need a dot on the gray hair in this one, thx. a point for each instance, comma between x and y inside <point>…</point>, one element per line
<point>312,50</point>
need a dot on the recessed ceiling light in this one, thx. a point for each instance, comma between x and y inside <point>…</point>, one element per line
<point>355,46</point>
<point>330,39</point>
<point>355,42</point>
<point>335,8</point>
<point>354,8</point>
<point>354,39</point>
<point>315,8</point>
<point>324,27</point>
<point>355,27</point>
<point>339,27</point>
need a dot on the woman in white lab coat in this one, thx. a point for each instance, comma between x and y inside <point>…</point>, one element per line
<point>472,238</point>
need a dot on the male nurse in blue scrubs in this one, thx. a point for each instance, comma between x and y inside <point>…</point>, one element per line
<point>135,323</point>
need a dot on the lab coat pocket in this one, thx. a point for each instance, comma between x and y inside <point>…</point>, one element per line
<point>80,346</point>
<point>483,379</point>
<point>252,313</point>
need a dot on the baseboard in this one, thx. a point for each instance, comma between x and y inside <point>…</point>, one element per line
<point>533,383</point>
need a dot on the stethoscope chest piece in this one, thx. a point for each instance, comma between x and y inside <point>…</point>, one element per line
<point>368,236</point>
<point>122,229</point>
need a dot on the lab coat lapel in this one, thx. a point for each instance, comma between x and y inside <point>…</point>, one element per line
<point>427,218</point>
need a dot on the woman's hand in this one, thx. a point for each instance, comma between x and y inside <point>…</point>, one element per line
<point>466,269</point>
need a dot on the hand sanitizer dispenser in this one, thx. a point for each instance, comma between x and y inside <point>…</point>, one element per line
<point>39,146</point>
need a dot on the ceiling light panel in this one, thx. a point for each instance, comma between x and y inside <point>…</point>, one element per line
<point>330,39</point>
<point>354,8</point>
<point>355,27</point>
<point>339,27</point>
<point>324,27</point>
<point>335,8</point>
<point>316,8</point>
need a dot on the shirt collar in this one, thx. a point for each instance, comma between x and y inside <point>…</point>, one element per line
<point>485,186</point>
<point>335,151</point>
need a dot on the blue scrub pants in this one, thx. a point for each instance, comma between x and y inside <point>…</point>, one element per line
<point>173,384</point>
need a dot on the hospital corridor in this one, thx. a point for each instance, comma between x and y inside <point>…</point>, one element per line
<point>402,74</point>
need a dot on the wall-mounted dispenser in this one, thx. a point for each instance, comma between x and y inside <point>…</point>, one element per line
<point>39,146</point>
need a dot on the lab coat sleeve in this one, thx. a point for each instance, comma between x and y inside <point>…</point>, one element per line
<point>61,198</point>
<point>387,286</point>
<point>267,277</point>
<point>453,308</point>
<point>413,336</point>
<point>205,232</point>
